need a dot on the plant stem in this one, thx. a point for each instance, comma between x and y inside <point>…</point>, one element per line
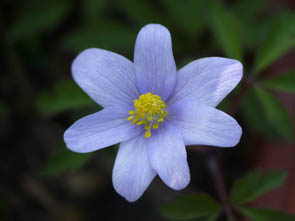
<point>214,166</point>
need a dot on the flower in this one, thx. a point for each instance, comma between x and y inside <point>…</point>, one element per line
<point>153,110</point>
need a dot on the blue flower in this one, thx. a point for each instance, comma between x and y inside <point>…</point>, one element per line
<point>153,110</point>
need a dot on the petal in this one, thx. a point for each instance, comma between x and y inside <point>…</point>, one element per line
<point>108,78</point>
<point>154,62</point>
<point>100,130</point>
<point>204,125</point>
<point>132,173</point>
<point>207,80</point>
<point>167,156</point>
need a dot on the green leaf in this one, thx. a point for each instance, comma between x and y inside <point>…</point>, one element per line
<point>284,82</point>
<point>253,8</point>
<point>253,26</point>
<point>259,214</point>
<point>242,187</point>
<point>187,15</point>
<point>254,116</point>
<point>106,34</point>
<point>276,113</point>
<point>39,16</point>
<point>63,161</point>
<point>254,185</point>
<point>269,181</point>
<point>92,10</point>
<point>65,95</point>
<point>278,41</point>
<point>140,12</point>
<point>190,206</point>
<point>225,27</point>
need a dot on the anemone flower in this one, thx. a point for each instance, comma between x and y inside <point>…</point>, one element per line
<point>153,110</point>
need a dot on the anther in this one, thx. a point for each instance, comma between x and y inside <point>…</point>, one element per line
<point>149,111</point>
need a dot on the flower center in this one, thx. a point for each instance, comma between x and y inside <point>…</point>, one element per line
<point>149,111</point>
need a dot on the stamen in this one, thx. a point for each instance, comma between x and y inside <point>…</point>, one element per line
<point>149,111</point>
<point>130,118</point>
<point>147,134</point>
<point>131,112</point>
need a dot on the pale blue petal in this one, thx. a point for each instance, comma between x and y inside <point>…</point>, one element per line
<point>154,62</point>
<point>132,173</point>
<point>100,130</point>
<point>204,125</point>
<point>207,80</point>
<point>168,157</point>
<point>108,78</point>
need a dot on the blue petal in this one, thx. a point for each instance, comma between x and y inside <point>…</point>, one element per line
<point>108,78</point>
<point>154,62</point>
<point>204,125</point>
<point>167,156</point>
<point>207,80</point>
<point>100,130</point>
<point>132,173</point>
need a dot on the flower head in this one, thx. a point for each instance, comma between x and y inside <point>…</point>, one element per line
<point>153,110</point>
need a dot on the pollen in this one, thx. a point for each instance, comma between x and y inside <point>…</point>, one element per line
<point>149,112</point>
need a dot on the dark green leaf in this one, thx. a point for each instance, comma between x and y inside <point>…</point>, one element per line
<point>253,26</point>
<point>259,214</point>
<point>269,181</point>
<point>65,95</point>
<point>254,116</point>
<point>254,185</point>
<point>92,10</point>
<point>225,27</point>
<point>253,8</point>
<point>190,206</point>
<point>284,82</point>
<point>276,113</point>
<point>63,161</point>
<point>187,14</point>
<point>278,41</point>
<point>213,217</point>
<point>139,11</point>
<point>109,35</point>
<point>39,16</point>
<point>242,187</point>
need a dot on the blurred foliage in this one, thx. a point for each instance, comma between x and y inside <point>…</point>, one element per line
<point>191,206</point>
<point>254,116</point>
<point>36,17</point>
<point>63,161</point>
<point>278,40</point>
<point>253,185</point>
<point>225,27</point>
<point>245,190</point>
<point>275,113</point>
<point>65,95</point>
<point>105,34</point>
<point>141,12</point>
<point>284,82</point>
<point>41,38</point>
<point>258,214</point>
<point>187,15</point>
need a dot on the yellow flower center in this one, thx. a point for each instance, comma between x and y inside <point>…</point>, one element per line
<point>149,111</point>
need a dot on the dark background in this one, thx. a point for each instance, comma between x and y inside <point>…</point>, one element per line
<point>41,180</point>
